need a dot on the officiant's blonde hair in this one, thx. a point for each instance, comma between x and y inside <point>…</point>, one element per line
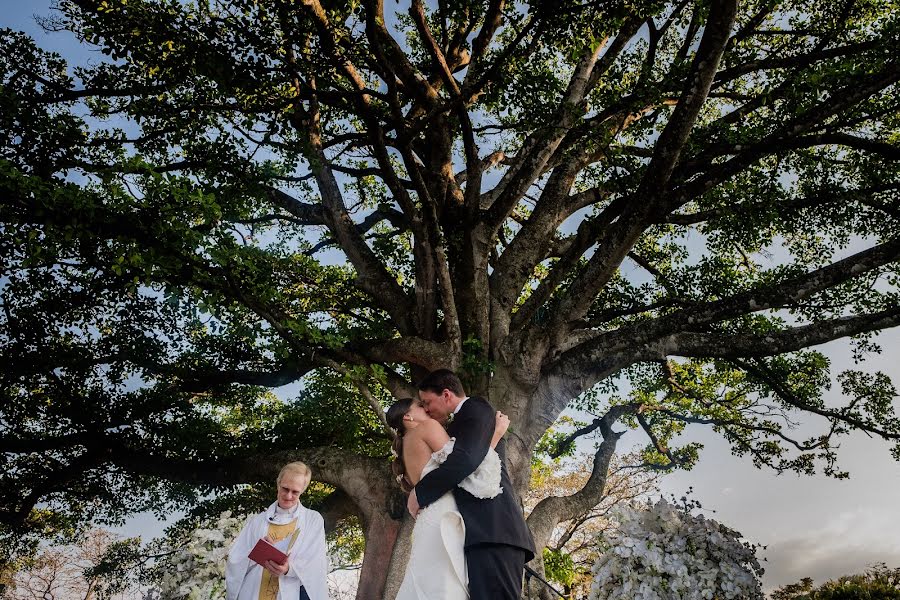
<point>295,468</point>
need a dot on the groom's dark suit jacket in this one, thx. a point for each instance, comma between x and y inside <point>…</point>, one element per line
<point>496,520</point>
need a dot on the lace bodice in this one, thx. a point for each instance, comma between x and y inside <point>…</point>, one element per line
<point>484,482</point>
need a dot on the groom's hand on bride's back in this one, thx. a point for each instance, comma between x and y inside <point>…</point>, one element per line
<point>412,504</point>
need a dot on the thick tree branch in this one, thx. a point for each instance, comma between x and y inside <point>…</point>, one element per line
<point>883,149</point>
<point>861,196</point>
<point>619,238</point>
<point>723,345</point>
<point>792,62</point>
<point>539,148</point>
<point>307,214</point>
<point>778,295</point>
<point>14,510</point>
<point>392,57</point>
<point>781,139</point>
<point>411,350</point>
<point>396,218</point>
<point>759,370</point>
<point>372,275</point>
<point>337,507</point>
<point>196,381</point>
<point>492,20</point>
<point>584,238</point>
<point>672,139</point>
<point>366,393</point>
<point>358,476</point>
<point>556,509</point>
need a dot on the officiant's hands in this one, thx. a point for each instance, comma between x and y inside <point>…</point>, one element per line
<point>276,569</point>
<point>273,567</point>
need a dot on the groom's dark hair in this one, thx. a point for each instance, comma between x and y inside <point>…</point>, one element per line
<point>440,380</point>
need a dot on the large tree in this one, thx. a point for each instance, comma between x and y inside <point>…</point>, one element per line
<point>235,196</point>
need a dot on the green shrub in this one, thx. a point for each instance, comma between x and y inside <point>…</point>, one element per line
<point>878,583</point>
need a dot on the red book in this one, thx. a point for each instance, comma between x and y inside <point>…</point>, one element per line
<point>264,551</point>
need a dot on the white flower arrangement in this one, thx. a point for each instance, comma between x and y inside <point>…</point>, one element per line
<point>665,553</point>
<point>197,570</point>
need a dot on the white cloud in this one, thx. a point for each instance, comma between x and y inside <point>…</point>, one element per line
<point>850,542</point>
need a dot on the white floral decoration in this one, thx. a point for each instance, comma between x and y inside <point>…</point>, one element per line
<point>197,570</point>
<point>665,553</point>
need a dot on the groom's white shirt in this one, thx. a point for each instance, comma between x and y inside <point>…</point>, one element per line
<point>459,406</point>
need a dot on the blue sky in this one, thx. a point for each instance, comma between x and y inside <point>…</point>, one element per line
<point>812,526</point>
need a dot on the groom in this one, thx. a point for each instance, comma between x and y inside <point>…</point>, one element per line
<point>498,542</point>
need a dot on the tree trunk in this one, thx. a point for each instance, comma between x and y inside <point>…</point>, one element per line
<point>509,395</point>
<point>381,531</point>
<point>399,557</point>
<point>89,593</point>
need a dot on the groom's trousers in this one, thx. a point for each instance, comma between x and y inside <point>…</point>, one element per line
<point>495,571</point>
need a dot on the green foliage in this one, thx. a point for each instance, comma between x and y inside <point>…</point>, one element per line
<point>556,444</point>
<point>347,543</point>
<point>559,567</point>
<point>878,583</point>
<point>120,567</point>
<point>128,296</point>
<point>474,363</point>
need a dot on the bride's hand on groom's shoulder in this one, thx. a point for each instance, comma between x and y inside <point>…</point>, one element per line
<point>501,424</point>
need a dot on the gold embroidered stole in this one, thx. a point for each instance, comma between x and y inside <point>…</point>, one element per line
<point>268,587</point>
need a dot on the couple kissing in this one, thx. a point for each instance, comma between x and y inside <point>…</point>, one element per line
<point>470,539</point>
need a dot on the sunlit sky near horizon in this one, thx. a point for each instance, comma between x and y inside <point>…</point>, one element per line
<point>811,526</point>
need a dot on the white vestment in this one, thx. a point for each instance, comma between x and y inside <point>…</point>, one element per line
<point>307,558</point>
<point>437,562</point>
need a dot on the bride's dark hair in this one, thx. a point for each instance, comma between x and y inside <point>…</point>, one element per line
<point>394,417</point>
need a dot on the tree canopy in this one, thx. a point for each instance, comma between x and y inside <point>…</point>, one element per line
<point>338,196</point>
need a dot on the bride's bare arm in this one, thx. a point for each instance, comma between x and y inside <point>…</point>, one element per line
<point>502,424</point>
<point>433,434</point>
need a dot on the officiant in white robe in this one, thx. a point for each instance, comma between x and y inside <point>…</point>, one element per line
<point>295,530</point>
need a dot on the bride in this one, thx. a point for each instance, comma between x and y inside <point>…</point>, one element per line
<point>437,563</point>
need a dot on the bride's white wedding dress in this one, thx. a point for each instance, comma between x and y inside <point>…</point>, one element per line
<point>437,562</point>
